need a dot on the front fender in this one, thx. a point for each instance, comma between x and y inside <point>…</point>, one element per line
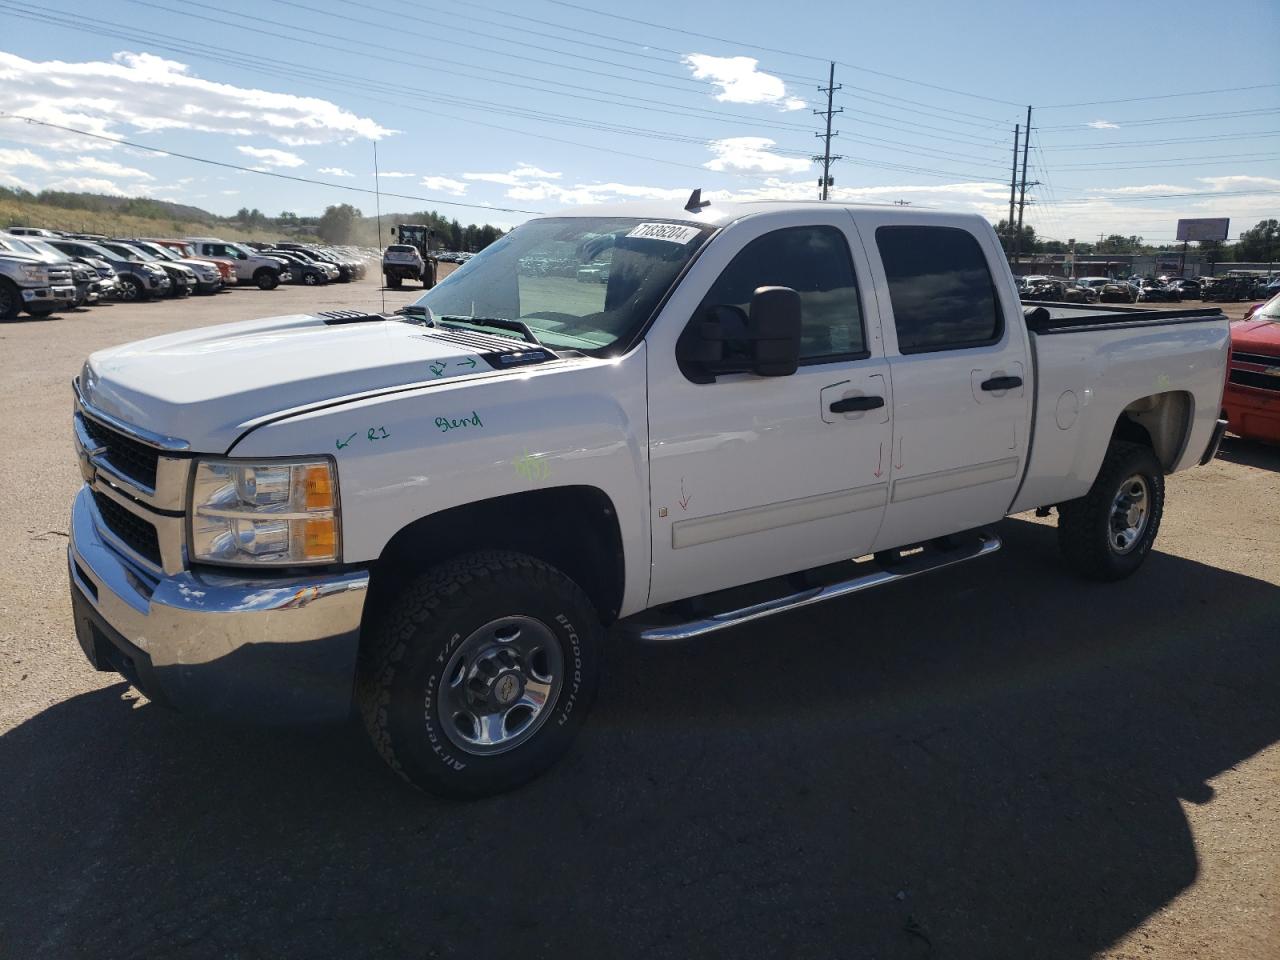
<point>405,455</point>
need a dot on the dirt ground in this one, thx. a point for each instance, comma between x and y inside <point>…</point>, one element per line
<point>998,761</point>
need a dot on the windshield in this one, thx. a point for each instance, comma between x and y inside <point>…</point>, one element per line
<point>161,252</point>
<point>585,283</point>
<point>247,251</point>
<point>1269,310</point>
<point>42,247</point>
<point>129,253</point>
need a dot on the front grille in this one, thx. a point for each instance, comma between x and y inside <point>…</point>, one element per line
<point>1261,381</point>
<point>59,275</point>
<point>134,460</point>
<point>1259,358</point>
<point>136,533</point>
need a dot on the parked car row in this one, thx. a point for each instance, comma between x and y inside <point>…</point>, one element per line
<point>43,271</point>
<point>1110,289</point>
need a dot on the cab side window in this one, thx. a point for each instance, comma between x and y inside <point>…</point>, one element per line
<point>941,288</point>
<point>815,262</point>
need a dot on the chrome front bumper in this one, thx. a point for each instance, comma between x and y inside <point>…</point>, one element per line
<point>243,648</point>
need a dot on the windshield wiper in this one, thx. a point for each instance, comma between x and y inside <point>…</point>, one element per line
<point>495,323</point>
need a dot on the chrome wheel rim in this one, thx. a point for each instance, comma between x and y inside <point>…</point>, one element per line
<point>499,686</point>
<point>1130,511</point>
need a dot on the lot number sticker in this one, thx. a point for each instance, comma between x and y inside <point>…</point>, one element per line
<point>672,232</point>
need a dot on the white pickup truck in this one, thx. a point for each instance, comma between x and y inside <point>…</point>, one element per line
<point>437,515</point>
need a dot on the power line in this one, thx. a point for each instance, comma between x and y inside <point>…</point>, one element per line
<point>1160,96</point>
<point>1167,161</point>
<point>788,53</point>
<point>1171,196</point>
<point>4,114</point>
<point>1156,121</point>
<point>1153,143</point>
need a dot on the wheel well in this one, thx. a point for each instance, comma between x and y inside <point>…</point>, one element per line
<point>573,528</point>
<point>1161,421</point>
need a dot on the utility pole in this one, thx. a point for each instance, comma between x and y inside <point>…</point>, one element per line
<point>827,159</point>
<point>1022,195</point>
<point>1013,189</point>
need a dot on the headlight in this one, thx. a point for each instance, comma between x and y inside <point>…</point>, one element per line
<point>278,513</point>
<point>34,273</point>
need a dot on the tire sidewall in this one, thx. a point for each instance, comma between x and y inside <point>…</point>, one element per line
<point>1143,462</point>
<point>431,756</point>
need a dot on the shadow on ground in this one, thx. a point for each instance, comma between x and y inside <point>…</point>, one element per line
<point>1250,453</point>
<point>987,763</point>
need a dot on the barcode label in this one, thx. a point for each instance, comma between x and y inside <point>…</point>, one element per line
<point>672,232</point>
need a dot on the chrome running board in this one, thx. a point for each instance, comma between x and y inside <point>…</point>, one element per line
<point>978,545</point>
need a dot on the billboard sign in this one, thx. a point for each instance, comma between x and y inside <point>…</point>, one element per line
<point>1213,228</point>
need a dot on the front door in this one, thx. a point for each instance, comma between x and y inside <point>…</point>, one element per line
<point>752,477</point>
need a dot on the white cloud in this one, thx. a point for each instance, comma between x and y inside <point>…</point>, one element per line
<point>1145,188</point>
<point>522,173</point>
<point>1240,182</point>
<point>444,185</point>
<point>87,185</point>
<point>1103,125</point>
<point>740,81</point>
<point>141,92</point>
<point>86,164</point>
<point>752,153</point>
<point>336,172</point>
<point>272,157</point>
<point>385,174</point>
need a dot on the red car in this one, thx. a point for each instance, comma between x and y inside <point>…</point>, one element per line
<point>1252,396</point>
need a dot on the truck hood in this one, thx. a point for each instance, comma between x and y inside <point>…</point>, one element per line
<point>208,386</point>
<point>1256,336</point>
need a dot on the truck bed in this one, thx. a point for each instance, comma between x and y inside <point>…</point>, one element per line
<point>1049,318</point>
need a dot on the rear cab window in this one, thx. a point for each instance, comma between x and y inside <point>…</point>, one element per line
<point>940,288</point>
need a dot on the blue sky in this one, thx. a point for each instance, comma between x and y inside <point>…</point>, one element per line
<point>535,106</point>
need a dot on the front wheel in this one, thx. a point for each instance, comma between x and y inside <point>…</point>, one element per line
<point>481,674</point>
<point>310,279</point>
<point>266,280</point>
<point>131,290</point>
<point>10,300</point>
<point>1107,533</point>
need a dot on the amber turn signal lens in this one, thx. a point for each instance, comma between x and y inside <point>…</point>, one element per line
<point>318,487</point>
<point>319,539</point>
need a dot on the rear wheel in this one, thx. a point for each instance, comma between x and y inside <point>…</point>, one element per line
<point>1107,533</point>
<point>393,281</point>
<point>481,673</point>
<point>266,280</point>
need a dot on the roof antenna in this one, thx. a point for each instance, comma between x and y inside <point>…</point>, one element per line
<point>377,187</point>
<point>696,202</point>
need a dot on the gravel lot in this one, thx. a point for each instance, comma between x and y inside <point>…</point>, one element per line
<point>997,761</point>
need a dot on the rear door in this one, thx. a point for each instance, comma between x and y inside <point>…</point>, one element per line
<point>960,380</point>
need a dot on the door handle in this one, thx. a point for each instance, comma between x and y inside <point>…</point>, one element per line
<point>1001,383</point>
<point>856,404</point>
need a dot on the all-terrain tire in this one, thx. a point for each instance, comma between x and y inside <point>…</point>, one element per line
<point>1087,535</point>
<point>400,687</point>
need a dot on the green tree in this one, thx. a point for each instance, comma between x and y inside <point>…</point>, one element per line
<point>336,223</point>
<point>1119,244</point>
<point>1262,243</point>
<point>1006,232</point>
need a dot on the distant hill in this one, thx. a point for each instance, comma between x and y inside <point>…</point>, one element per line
<point>145,216</point>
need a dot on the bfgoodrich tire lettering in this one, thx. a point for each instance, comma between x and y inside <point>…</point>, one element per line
<point>403,670</point>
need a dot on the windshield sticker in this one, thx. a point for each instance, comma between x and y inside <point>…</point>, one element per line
<point>672,232</point>
<point>445,424</point>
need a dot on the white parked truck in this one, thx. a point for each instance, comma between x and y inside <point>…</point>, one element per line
<point>439,513</point>
<point>250,265</point>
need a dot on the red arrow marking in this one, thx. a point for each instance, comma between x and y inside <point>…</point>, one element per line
<point>684,499</point>
<point>880,461</point>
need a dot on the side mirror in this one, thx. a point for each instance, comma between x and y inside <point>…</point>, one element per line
<point>764,341</point>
